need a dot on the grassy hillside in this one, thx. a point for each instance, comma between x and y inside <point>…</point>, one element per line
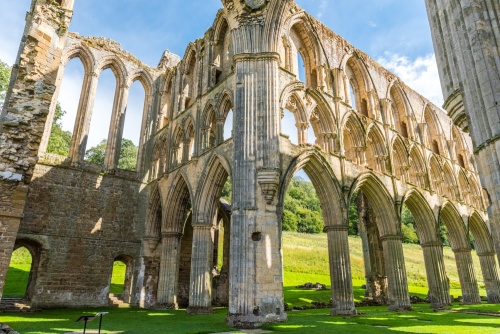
<point>305,259</point>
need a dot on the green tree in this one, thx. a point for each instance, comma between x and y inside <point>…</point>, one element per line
<point>127,159</point>
<point>353,216</point>
<point>5,71</point>
<point>59,140</point>
<point>227,190</point>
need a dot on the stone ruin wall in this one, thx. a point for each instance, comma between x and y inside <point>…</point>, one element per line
<point>78,212</point>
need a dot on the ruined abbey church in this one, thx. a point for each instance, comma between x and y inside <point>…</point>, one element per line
<point>373,136</point>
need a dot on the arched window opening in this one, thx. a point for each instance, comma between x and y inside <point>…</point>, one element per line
<point>189,141</point>
<point>223,54</point>
<point>97,138</point>
<point>190,79</point>
<point>301,68</point>
<point>435,147</point>
<point>301,56</point>
<point>376,153</point>
<point>352,96</point>
<point>129,147</point>
<point>436,176</point>
<point>311,136</point>
<point>417,169</point>
<point>63,122</point>
<point>354,143</point>
<point>18,274</point>
<point>288,127</point>
<point>228,125</point>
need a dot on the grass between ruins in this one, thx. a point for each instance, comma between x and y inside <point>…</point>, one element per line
<point>305,260</point>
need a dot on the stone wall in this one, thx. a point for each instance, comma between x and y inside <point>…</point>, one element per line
<point>83,220</point>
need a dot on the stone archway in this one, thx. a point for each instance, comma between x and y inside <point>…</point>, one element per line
<point>336,225</point>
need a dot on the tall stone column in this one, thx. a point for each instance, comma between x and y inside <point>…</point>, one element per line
<point>200,291</point>
<point>169,270</point>
<point>256,270</point>
<point>468,283</point>
<point>340,270</point>
<point>437,281</point>
<point>399,297</point>
<point>83,118</point>
<point>466,38</point>
<point>490,276</point>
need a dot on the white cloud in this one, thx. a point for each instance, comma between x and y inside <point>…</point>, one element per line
<point>420,74</point>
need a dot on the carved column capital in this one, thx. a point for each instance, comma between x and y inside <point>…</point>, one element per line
<point>268,179</point>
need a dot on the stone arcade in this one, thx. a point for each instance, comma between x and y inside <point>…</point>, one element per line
<point>372,134</point>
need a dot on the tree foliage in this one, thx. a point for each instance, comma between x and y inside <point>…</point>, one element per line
<point>60,140</point>
<point>127,159</point>
<point>5,71</point>
<point>302,209</point>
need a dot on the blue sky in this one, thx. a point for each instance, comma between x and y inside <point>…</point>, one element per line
<point>393,32</point>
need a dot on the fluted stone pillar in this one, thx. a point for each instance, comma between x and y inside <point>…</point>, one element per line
<point>490,276</point>
<point>340,270</point>
<point>83,118</point>
<point>169,270</point>
<point>399,298</point>
<point>468,282</point>
<point>200,291</point>
<point>437,281</point>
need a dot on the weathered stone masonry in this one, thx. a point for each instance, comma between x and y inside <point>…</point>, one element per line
<point>372,134</point>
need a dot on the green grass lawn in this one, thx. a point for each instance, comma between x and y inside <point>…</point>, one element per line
<point>305,260</point>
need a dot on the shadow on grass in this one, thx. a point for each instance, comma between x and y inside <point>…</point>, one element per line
<point>374,320</point>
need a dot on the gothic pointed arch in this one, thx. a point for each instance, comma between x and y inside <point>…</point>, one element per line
<point>324,181</point>
<point>381,201</point>
<point>433,132</point>
<point>425,220</point>
<point>450,183</point>
<point>436,175</point>
<point>208,126</point>
<point>482,237</point>
<point>462,153</point>
<point>221,49</point>
<point>177,206</point>
<point>418,170</point>
<point>353,139</point>
<point>155,213</point>
<point>400,163</point>
<point>376,150</point>
<point>398,111</point>
<point>301,41</point>
<point>189,137</point>
<point>82,52</point>
<point>116,65</point>
<point>358,87</point>
<point>176,146</point>
<point>214,176</point>
<point>457,231</point>
<point>476,193</point>
<point>189,78</point>
<point>323,122</point>
<point>144,77</point>
<point>464,187</point>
